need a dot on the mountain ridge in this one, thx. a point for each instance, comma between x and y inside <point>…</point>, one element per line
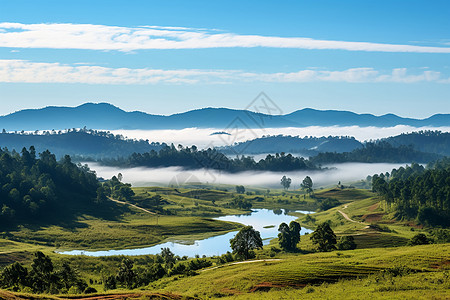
<point>109,117</point>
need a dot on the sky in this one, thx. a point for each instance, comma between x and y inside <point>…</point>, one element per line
<point>165,57</point>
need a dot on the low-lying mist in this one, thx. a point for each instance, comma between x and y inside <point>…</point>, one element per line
<point>202,137</point>
<point>347,172</point>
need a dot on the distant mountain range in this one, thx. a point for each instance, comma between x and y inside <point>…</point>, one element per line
<point>109,117</point>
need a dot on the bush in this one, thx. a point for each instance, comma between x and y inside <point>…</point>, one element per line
<point>419,239</point>
<point>90,290</point>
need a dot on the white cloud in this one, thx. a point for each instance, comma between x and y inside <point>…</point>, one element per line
<point>37,72</point>
<point>101,37</point>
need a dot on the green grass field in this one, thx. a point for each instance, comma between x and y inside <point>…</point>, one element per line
<point>336,275</point>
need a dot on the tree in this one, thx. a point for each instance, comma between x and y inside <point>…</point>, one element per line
<point>419,239</point>
<point>13,276</point>
<point>307,184</point>
<point>286,182</point>
<point>240,189</point>
<point>42,272</point>
<point>346,243</point>
<point>289,236</point>
<point>324,238</point>
<point>246,240</point>
<point>168,257</point>
<point>126,275</point>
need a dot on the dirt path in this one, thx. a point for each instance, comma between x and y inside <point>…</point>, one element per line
<point>243,262</point>
<point>135,206</point>
<point>348,218</point>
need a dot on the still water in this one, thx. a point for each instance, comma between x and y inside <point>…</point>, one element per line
<point>263,220</point>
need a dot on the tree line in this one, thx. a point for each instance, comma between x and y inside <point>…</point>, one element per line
<point>193,158</point>
<point>38,187</point>
<point>418,193</point>
<point>376,152</point>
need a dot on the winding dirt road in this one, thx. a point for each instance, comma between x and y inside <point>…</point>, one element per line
<point>348,218</point>
<point>135,206</point>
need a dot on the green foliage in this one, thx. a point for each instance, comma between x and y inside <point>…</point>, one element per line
<point>241,203</point>
<point>419,239</point>
<point>40,189</point>
<point>42,278</point>
<point>126,276</point>
<point>246,240</point>
<point>79,143</point>
<point>240,189</point>
<point>377,152</point>
<point>324,237</point>
<point>289,236</point>
<point>307,185</point>
<point>418,193</point>
<point>210,159</point>
<point>327,203</point>
<point>285,182</point>
<point>346,243</point>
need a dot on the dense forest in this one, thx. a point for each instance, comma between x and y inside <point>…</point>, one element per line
<point>294,144</point>
<point>192,158</point>
<point>41,188</point>
<point>79,143</point>
<point>418,193</point>
<point>426,141</point>
<point>376,153</point>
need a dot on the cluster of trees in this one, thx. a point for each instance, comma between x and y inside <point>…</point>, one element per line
<point>192,158</point>
<point>306,185</point>
<point>376,152</point>
<point>34,188</point>
<point>241,203</point>
<point>325,239</point>
<point>79,143</point>
<point>289,236</point>
<point>43,277</point>
<point>164,264</point>
<point>115,189</point>
<point>417,192</point>
<point>248,239</point>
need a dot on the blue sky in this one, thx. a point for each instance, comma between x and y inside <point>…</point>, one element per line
<point>165,57</point>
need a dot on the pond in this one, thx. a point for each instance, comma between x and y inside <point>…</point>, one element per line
<point>264,220</point>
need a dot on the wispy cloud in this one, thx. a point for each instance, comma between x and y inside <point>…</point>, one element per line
<point>101,37</point>
<point>37,72</point>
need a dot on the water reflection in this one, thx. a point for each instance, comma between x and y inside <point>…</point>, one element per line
<point>264,220</point>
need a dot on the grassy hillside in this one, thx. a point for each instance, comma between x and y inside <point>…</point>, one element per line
<point>297,271</point>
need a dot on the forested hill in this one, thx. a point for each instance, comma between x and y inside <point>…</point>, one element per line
<point>426,141</point>
<point>40,188</point>
<point>307,146</point>
<point>80,143</point>
<point>107,116</point>
<point>418,193</point>
<point>380,152</point>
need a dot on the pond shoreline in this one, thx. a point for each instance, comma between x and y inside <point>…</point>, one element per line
<point>203,243</point>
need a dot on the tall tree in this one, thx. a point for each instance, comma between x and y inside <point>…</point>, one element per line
<point>246,239</point>
<point>324,238</point>
<point>307,184</point>
<point>289,236</point>
<point>285,182</point>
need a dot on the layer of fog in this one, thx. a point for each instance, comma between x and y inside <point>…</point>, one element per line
<point>202,138</point>
<point>346,173</point>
